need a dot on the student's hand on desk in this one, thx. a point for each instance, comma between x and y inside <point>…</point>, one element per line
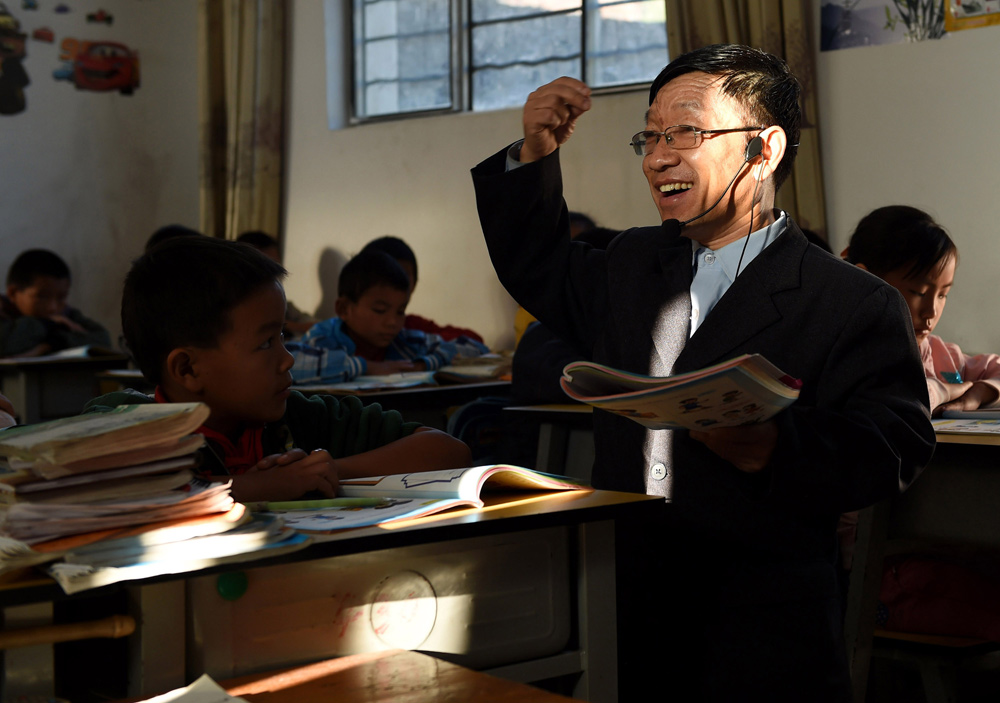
<point>550,115</point>
<point>747,447</point>
<point>384,368</point>
<point>967,396</point>
<point>288,476</point>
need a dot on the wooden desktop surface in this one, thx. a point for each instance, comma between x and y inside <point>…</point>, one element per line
<point>392,676</point>
<point>502,514</point>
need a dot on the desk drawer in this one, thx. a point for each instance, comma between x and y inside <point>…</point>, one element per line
<point>480,602</point>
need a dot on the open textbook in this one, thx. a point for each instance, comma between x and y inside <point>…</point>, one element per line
<point>407,496</point>
<point>736,392</point>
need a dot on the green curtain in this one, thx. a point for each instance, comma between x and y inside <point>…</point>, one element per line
<point>241,81</point>
<point>782,28</point>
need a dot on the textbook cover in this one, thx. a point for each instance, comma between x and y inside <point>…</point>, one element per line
<point>743,390</point>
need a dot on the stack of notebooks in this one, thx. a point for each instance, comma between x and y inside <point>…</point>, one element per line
<point>113,496</point>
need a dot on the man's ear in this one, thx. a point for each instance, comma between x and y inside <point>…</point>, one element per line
<point>12,290</point>
<point>844,254</point>
<point>775,144</point>
<point>182,369</point>
<point>341,305</point>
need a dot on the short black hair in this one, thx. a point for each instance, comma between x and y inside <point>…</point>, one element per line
<point>32,263</point>
<point>759,82</point>
<point>397,249</point>
<point>170,232</point>
<point>368,269</point>
<point>181,293</point>
<point>899,236</point>
<point>258,239</point>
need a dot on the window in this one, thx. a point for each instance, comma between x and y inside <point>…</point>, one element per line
<point>449,55</point>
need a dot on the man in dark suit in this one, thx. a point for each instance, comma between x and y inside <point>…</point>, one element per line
<point>737,585</point>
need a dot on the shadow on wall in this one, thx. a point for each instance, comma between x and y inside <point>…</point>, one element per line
<point>331,262</point>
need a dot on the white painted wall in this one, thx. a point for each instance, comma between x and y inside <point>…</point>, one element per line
<point>91,175</point>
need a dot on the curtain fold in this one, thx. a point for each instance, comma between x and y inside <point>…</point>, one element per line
<point>241,66</point>
<point>782,28</point>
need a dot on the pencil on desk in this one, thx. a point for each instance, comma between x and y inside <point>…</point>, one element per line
<point>316,504</point>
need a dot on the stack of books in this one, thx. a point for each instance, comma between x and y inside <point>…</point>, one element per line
<point>112,496</point>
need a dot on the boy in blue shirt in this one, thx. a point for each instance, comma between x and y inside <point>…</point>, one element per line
<point>34,316</point>
<point>368,335</point>
<point>203,319</point>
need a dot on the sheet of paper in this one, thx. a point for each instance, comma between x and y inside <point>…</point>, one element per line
<point>204,690</point>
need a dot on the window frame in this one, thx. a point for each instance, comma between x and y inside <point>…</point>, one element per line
<point>461,61</point>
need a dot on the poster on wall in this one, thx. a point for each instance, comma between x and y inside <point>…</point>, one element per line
<point>845,24</point>
<point>970,14</point>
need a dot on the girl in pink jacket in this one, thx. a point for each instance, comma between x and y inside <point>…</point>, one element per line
<point>906,248</point>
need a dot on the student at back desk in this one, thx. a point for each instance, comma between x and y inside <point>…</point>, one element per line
<point>203,318</point>
<point>368,335</point>
<point>403,254</point>
<point>34,316</point>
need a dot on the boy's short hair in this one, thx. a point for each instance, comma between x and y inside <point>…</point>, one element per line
<point>897,236</point>
<point>258,240</point>
<point>181,293</point>
<point>32,263</point>
<point>368,269</point>
<point>396,248</point>
<point>170,232</point>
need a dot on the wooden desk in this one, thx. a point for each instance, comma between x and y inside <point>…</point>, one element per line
<point>112,380</point>
<point>392,676</point>
<point>45,389</point>
<point>323,601</point>
<point>425,404</point>
<point>952,505</point>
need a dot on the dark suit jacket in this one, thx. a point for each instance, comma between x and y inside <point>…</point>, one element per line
<point>859,432</point>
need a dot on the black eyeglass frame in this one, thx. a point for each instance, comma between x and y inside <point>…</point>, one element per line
<point>639,146</point>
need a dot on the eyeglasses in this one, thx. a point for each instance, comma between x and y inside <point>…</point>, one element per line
<point>680,136</point>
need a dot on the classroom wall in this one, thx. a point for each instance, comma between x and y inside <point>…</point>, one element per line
<point>88,174</point>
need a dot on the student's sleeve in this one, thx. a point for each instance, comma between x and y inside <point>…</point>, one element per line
<point>526,225</point>
<point>22,334</point>
<point>428,348</point>
<point>343,425</point>
<point>869,434</point>
<point>983,368</point>
<point>95,333</point>
<point>314,364</point>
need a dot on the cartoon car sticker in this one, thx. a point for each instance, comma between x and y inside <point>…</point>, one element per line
<point>102,66</point>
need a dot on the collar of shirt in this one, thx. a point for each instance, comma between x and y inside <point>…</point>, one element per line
<point>715,271</point>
